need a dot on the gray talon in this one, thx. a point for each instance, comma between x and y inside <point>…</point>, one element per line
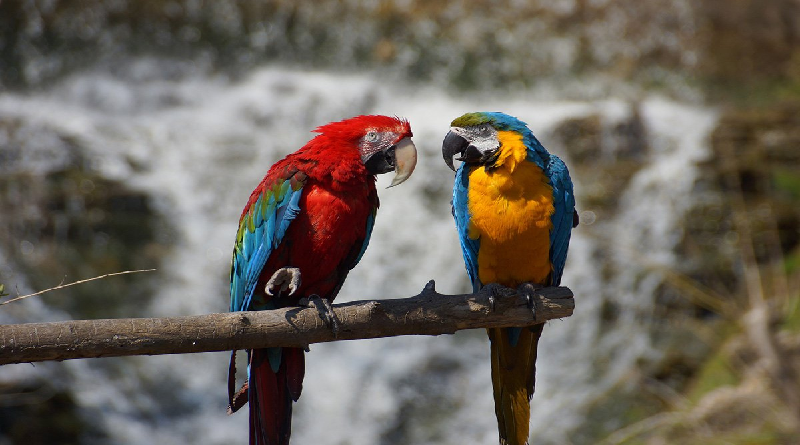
<point>326,311</point>
<point>495,291</point>
<point>532,305</point>
<point>284,279</point>
<point>529,290</point>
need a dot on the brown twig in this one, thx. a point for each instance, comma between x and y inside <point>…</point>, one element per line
<point>62,285</point>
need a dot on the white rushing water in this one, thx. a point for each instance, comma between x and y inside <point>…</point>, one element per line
<point>199,144</point>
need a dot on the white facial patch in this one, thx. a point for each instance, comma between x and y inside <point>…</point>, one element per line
<point>483,137</point>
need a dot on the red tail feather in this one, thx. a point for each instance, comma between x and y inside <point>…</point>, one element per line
<point>272,394</point>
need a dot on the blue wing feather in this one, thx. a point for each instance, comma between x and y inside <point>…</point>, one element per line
<point>262,229</point>
<point>370,225</point>
<point>286,214</point>
<point>564,203</point>
<point>469,247</point>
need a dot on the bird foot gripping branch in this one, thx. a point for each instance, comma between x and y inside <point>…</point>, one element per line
<point>323,306</point>
<point>529,290</point>
<point>495,291</point>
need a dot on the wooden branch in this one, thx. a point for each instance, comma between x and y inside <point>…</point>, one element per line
<point>428,313</point>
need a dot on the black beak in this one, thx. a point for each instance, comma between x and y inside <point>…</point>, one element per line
<point>400,157</point>
<point>454,144</point>
<point>381,162</point>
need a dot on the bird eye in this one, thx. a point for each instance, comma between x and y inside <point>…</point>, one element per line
<point>484,130</point>
<point>372,136</point>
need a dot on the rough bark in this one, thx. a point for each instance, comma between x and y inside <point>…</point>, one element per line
<point>428,313</point>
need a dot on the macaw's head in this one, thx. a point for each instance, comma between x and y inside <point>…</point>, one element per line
<point>383,143</point>
<point>475,137</point>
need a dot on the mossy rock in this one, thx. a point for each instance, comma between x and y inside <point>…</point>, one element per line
<point>622,406</point>
<point>39,414</point>
<point>63,221</point>
<point>429,394</point>
<point>603,156</point>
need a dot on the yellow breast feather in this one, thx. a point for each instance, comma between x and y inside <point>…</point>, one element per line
<point>510,209</point>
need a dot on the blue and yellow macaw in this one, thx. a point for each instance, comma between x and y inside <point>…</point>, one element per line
<point>514,211</point>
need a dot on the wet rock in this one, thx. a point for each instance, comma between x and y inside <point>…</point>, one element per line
<point>427,398</point>
<point>708,380</point>
<point>61,221</point>
<point>726,388</point>
<point>603,156</point>
<point>24,408</point>
<point>757,154</point>
<point>746,177</point>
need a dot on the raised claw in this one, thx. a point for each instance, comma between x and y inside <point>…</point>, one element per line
<point>285,278</point>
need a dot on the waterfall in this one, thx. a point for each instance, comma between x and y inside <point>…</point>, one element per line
<point>197,143</point>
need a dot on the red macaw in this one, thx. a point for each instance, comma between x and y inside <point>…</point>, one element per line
<point>514,210</point>
<point>304,227</point>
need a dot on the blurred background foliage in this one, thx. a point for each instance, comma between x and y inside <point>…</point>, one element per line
<point>732,50</point>
<point>732,306</point>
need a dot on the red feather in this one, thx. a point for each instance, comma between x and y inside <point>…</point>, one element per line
<point>324,241</point>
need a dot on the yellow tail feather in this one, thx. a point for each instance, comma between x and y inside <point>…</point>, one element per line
<point>513,379</point>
